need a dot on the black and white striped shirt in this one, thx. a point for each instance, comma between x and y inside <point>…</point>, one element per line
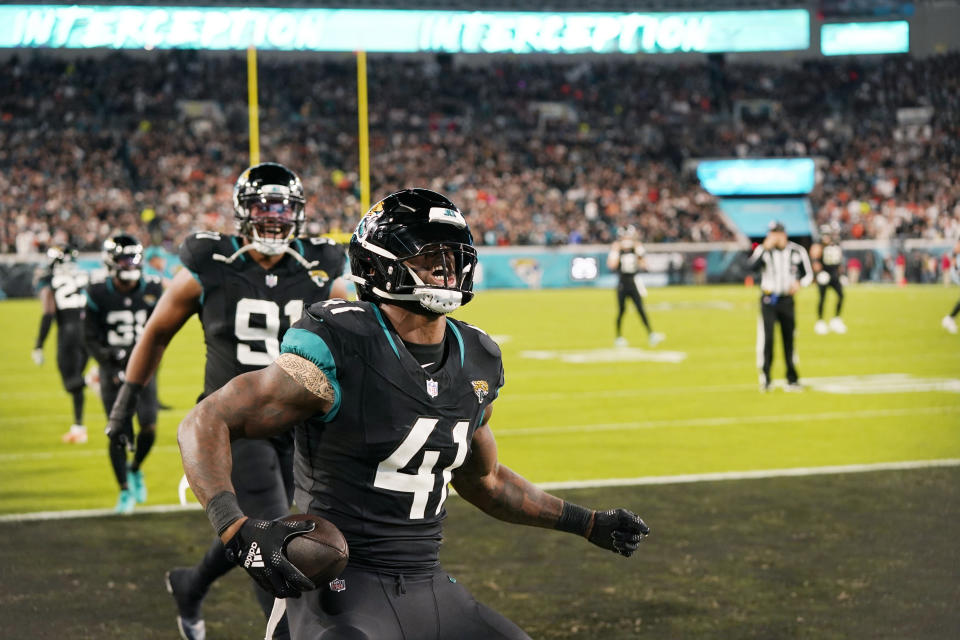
<point>782,268</point>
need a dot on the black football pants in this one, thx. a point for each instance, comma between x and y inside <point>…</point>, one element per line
<point>371,605</point>
<point>627,288</point>
<point>836,286</point>
<point>778,309</point>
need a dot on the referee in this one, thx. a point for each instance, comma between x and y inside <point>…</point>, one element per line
<point>785,267</point>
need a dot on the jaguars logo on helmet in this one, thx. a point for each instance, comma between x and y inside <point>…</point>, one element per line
<point>406,227</point>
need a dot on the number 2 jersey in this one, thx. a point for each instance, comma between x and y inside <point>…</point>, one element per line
<point>67,283</point>
<point>378,463</point>
<point>245,309</point>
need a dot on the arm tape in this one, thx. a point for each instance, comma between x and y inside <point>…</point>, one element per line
<point>223,510</point>
<point>45,323</point>
<point>574,519</point>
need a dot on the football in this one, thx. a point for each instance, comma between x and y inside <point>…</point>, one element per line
<point>320,554</point>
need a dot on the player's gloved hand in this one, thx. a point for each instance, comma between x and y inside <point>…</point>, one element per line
<point>258,547</point>
<point>618,530</point>
<point>37,355</point>
<point>122,411</point>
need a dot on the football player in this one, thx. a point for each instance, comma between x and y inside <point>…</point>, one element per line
<point>116,312</point>
<point>948,322</point>
<point>391,401</point>
<point>61,294</point>
<point>627,258</point>
<point>247,289</point>
<point>826,257</point>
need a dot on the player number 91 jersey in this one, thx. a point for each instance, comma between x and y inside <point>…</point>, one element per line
<point>378,464</point>
<point>246,309</point>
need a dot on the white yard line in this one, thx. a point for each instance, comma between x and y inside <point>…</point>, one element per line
<point>572,484</point>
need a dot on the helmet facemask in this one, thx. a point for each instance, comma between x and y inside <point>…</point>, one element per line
<point>270,223</point>
<point>123,257</point>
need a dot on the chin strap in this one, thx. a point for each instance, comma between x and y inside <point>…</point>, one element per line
<point>253,246</point>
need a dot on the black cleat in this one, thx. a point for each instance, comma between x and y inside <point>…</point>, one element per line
<point>189,618</point>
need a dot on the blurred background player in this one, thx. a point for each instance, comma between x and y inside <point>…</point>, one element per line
<point>785,267</point>
<point>248,289</point>
<point>61,294</point>
<point>626,257</point>
<point>826,257</point>
<point>384,385</point>
<point>949,323</point>
<point>115,315</point>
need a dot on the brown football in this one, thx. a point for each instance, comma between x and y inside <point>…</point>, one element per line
<point>320,554</point>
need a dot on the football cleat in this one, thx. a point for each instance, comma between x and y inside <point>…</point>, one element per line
<point>655,339</point>
<point>137,485</point>
<point>620,342</point>
<point>189,619</point>
<point>76,435</point>
<point>949,324</point>
<point>126,501</point>
<point>821,328</point>
<point>837,325</point>
<point>764,384</point>
<point>793,387</point>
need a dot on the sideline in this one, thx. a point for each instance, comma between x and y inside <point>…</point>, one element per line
<point>584,484</point>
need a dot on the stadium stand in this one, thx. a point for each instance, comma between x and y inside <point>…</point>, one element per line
<point>149,145</point>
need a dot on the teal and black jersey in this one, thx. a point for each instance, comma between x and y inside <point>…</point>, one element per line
<point>114,320</point>
<point>378,463</point>
<point>67,284</point>
<point>246,309</point>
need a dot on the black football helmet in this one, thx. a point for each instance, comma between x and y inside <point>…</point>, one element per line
<point>268,207</point>
<point>123,257</point>
<point>415,250</point>
<point>60,255</point>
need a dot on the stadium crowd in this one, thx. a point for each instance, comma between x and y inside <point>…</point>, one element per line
<point>534,152</point>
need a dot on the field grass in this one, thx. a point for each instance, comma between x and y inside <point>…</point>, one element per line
<point>865,555</point>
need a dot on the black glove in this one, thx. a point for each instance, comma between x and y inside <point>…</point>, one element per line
<point>618,530</point>
<point>121,414</point>
<point>258,547</point>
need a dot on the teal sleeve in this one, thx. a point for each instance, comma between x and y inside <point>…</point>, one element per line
<point>312,347</point>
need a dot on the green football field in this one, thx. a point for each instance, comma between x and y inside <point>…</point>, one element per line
<point>852,555</point>
<point>574,408</point>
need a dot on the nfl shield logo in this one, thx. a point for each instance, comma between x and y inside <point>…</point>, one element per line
<point>338,585</point>
<point>433,389</point>
<point>271,279</point>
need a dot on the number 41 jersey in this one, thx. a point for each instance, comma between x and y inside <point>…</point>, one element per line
<point>378,463</point>
<point>245,309</point>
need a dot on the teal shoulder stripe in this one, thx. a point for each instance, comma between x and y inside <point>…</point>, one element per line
<point>110,286</point>
<point>90,302</point>
<point>299,244</point>
<point>196,277</point>
<point>310,346</point>
<point>386,331</point>
<point>456,332</point>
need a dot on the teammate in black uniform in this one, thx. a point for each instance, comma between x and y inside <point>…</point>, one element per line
<point>397,400</point>
<point>61,294</point>
<point>626,257</point>
<point>826,257</point>
<point>948,321</point>
<point>116,312</point>
<point>248,289</point>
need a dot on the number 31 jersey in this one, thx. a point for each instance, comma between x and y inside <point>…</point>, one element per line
<point>378,463</point>
<point>245,309</point>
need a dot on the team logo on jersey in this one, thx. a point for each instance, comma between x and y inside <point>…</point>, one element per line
<point>433,388</point>
<point>319,277</point>
<point>150,299</point>
<point>272,280</point>
<point>481,388</point>
<point>338,585</point>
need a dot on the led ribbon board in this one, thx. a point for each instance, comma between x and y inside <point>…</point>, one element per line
<point>865,37</point>
<point>757,177</point>
<point>154,27</point>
